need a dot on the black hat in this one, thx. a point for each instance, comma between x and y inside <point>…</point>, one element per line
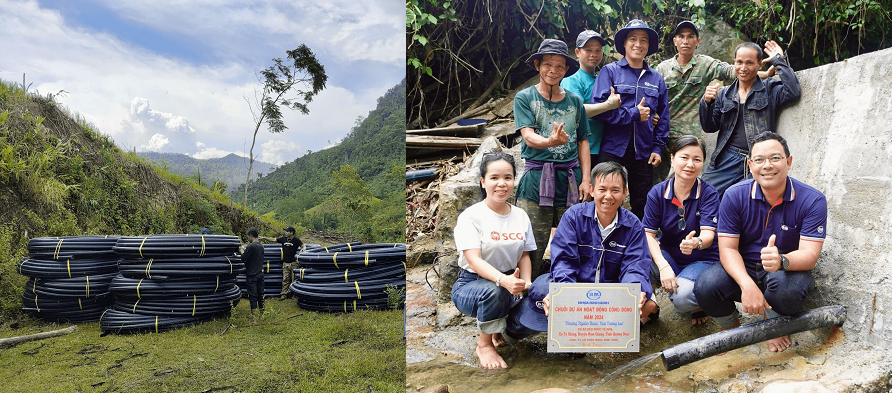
<point>619,39</point>
<point>531,310</point>
<point>587,35</point>
<point>686,24</point>
<point>554,47</point>
<point>289,229</point>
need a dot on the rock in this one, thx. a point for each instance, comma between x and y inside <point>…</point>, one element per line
<point>817,359</point>
<point>423,250</point>
<point>448,315</point>
<point>794,387</point>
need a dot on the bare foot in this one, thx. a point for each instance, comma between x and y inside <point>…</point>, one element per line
<point>779,344</point>
<point>489,358</point>
<point>498,340</point>
<point>698,317</point>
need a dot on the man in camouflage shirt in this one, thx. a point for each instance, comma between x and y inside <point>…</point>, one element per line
<point>687,75</point>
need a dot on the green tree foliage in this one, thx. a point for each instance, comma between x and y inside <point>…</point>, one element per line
<point>461,54</point>
<point>301,192</point>
<point>303,79</point>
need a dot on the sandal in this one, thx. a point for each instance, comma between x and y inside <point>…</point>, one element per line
<point>698,315</point>
<point>653,316</point>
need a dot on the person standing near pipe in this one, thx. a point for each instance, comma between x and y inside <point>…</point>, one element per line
<point>290,245</point>
<point>771,230</point>
<point>252,257</point>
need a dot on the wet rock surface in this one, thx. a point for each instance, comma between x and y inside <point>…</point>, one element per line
<point>443,355</point>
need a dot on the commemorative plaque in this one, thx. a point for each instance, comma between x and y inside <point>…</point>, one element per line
<point>589,317</point>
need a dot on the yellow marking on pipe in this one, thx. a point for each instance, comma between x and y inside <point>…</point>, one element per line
<point>81,305</point>
<point>156,324</point>
<point>140,246</point>
<point>218,284</point>
<point>149,268</point>
<point>134,305</point>
<point>350,247</point>
<point>68,264</point>
<point>230,264</point>
<point>358,295</point>
<point>354,305</point>
<point>267,266</point>
<point>194,302</point>
<point>88,288</point>
<point>281,254</point>
<point>37,305</point>
<point>137,288</point>
<point>326,249</point>
<point>366,257</point>
<point>345,275</point>
<point>201,254</point>
<point>335,260</point>
<point>58,249</point>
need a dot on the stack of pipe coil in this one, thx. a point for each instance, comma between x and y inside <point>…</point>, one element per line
<point>170,281</point>
<point>69,277</point>
<point>350,276</point>
<point>272,272</point>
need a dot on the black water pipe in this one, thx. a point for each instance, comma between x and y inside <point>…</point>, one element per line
<point>724,341</point>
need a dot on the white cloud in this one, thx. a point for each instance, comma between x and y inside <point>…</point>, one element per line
<point>213,152</point>
<point>157,143</point>
<point>279,152</point>
<point>163,127</point>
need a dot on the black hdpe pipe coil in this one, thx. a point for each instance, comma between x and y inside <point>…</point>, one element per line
<point>357,246</point>
<point>346,291</point>
<point>274,252</point>
<point>380,272</point>
<point>83,286</point>
<point>724,341</point>
<point>157,268</point>
<point>75,247</point>
<point>171,246</point>
<point>343,306</point>
<point>181,306</point>
<point>347,259</point>
<point>66,309</point>
<point>321,248</point>
<point>121,321</point>
<point>144,287</point>
<point>49,268</point>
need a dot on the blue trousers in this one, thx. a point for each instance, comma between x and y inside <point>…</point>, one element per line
<point>480,298</point>
<point>728,169</point>
<point>684,299</point>
<point>784,291</point>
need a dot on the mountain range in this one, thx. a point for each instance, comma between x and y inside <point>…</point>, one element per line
<point>230,169</point>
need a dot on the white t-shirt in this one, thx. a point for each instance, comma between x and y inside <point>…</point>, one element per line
<point>501,239</point>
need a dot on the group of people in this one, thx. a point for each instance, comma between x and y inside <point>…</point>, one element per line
<point>738,230</point>
<point>252,257</point>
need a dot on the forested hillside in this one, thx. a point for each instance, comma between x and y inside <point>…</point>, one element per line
<point>230,169</point>
<point>60,177</point>
<point>356,187</point>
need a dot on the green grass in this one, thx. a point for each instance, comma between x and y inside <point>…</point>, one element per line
<point>289,349</point>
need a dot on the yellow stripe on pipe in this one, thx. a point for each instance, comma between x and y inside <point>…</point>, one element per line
<point>140,246</point>
<point>267,266</point>
<point>81,305</point>
<point>349,247</point>
<point>358,295</point>
<point>281,254</point>
<point>201,254</point>
<point>326,249</point>
<point>58,249</point>
<point>156,324</point>
<point>88,289</point>
<point>335,260</point>
<point>366,257</point>
<point>134,306</point>
<point>230,264</point>
<point>354,305</point>
<point>35,303</point>
<point>345,275</point>
<point>194,302</point>
<point>218,284</point>
<point>137,288</point>
<point>68,264</point>
<point>149,268</point>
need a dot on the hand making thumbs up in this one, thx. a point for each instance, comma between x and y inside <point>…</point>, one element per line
<point>771,260</point>
<point>643,110</point>
<point>689,244</point>
<point>513,283</point>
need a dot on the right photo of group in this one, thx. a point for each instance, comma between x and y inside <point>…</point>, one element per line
<point>674,196</point>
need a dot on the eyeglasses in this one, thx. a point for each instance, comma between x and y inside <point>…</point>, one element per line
<point>775,159</point>
<point>681,223</point>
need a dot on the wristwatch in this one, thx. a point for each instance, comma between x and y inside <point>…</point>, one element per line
<point>785,262</point>
<point>700,243</point>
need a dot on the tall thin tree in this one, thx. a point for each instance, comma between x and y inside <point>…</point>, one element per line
<point>303,76</point>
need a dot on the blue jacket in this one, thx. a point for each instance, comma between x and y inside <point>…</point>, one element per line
<point>577,248</point>
<point>762,103</point>
<point>622,123</point>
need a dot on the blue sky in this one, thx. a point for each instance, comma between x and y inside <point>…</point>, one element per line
<point>173,75</point>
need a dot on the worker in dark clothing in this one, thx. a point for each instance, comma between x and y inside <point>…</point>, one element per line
<point>252,257</point>
<point>290,246</point>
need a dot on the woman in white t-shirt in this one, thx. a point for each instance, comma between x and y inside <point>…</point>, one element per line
<point>494,239</point>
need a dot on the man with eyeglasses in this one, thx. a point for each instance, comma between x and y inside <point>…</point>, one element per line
<point>744,109</point>
<point>771,230</point>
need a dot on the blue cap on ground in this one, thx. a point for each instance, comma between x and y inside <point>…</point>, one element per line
<point>531,311</point>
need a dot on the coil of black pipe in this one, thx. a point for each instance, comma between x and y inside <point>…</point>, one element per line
<point>178,267</point>
<point>351,259</point>
<point>173,246</point>
<point>65,268</point>
<point>71,309</point>
<point>196,305</point>
<point>345,291</point>
<point>380,272</point>
<point>344,306</point>
<point>139,287</point>
<point>75,247</point>
<point>83,286</point>
<point>120,321</point>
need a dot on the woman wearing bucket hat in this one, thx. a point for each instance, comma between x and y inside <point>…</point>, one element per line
<point>555,144</point>
<point>630,138</point>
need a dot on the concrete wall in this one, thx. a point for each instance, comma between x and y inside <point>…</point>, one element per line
<point>840,136</point>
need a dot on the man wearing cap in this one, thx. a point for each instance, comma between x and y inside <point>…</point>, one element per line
<point>629,136</point>
<point>743,110</point>
<point>771,230</point>
<point>590,52</point>
<point>552,122</point>
<point>686,75</point>
<point>290,245</point>
<point>597,242</point>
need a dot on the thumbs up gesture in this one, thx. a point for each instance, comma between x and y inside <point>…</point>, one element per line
<point>771,260</point>
<point>513,283</point>
<point>643,110</point>
<point>711,92</point>
<point>613,100</point>
<point>689,244</point>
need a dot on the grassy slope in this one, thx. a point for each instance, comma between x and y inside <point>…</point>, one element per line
<point>289,349</point>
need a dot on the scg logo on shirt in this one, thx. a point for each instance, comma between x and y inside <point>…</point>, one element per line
<point>506,236</point>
